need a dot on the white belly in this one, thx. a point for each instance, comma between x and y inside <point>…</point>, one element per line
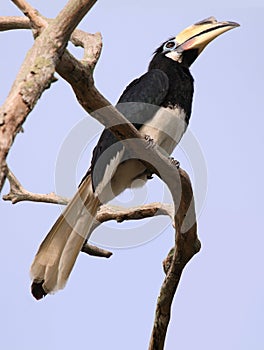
<point>166,128</point>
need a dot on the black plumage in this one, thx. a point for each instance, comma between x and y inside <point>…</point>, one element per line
<point>167,84</point>
<point>159,104</point>
<point>180,92</point>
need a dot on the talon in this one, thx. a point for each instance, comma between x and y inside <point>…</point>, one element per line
<point>149,176</point>
<point>150,142</point>
<point>174,162</point>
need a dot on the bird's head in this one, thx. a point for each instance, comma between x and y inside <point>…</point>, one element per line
<point>188,44</point>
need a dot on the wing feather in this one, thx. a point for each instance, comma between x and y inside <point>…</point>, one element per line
<point>139,102</point>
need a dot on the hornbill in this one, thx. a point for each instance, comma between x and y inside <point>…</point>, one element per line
<point>159,105</point>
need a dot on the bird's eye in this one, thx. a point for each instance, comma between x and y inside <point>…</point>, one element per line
<point>170,45</point>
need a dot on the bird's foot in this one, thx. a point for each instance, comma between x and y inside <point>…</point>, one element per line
<point>149,175</point>
<point>150,142</point>
<point>174,162</point>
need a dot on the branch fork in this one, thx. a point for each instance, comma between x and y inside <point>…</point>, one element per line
<point>24,94</point>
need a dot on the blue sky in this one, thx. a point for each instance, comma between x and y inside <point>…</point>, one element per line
<point>111,303</point>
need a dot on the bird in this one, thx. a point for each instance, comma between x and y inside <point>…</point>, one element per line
<point>159,105</point>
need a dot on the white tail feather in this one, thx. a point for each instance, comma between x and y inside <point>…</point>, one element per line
<point>59,250</point>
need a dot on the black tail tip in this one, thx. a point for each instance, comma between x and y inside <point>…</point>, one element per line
<point>37,290</point>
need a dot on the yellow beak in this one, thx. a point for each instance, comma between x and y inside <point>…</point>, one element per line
<point>200,34</point>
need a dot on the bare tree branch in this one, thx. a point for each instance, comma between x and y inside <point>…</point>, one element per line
<point>17,193</point>
<point>80,76</point>
<point>14,22</point>
<point>96,251</point>
<point>31,13</point>
<point>36,72</point>
<point>187,245</point>
<point>78,37</point>
<point>120,214</point>
<point>92,45</point>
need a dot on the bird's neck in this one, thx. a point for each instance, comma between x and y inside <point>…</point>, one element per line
<point>180,83</point>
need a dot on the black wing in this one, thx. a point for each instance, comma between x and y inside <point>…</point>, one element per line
<point>138,103</point>
<point>151,88</point>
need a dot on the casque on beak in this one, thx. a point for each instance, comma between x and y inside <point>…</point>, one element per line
<point>201,34</point>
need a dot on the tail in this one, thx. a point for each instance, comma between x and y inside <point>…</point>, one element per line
<point>59,250</point>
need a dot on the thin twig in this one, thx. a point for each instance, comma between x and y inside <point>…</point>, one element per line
<point>31,13</point>
<point>17,193</point>
<point>14,22</point>
<point>78,37</point>
<point>96,251</point>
